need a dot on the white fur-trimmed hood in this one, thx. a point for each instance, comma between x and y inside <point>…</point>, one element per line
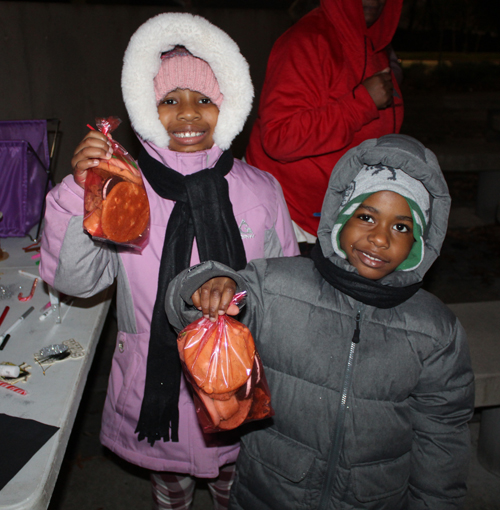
<point>141,63</point>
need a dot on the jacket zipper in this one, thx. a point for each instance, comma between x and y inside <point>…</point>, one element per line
<point>334,455</point>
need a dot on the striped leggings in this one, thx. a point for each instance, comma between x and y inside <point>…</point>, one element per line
<point>174,491</point>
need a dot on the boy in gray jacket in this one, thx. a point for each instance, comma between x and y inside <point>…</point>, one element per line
<point>370,375</point>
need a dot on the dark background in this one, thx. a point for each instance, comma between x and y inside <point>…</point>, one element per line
<point>426,25</point>
<point>63,59</point>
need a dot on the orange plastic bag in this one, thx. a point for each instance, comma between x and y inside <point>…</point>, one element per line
<point>220,362</point>
<point>116,203</point>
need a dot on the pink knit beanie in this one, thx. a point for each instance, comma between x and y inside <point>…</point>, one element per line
<point>180,69</point>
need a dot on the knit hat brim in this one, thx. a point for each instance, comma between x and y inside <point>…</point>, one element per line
<point>180,70</point>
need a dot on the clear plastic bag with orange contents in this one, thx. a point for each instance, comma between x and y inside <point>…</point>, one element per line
<point>116,203</point>
<point>225,371</point>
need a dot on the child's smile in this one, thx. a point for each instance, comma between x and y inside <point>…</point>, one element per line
<point>379,235</point>
<point>189,118</point>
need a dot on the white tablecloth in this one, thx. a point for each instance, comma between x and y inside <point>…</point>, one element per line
<point>52,398</point>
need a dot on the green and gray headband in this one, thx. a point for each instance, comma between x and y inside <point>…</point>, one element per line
<point>374,178</point>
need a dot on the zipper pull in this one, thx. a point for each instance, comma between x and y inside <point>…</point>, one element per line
<point>355,337</point>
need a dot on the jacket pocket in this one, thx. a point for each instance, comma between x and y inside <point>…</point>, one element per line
<point>381,480</point>
<point>274,471</point>
<point>128,372</point>
<point>284,456</point>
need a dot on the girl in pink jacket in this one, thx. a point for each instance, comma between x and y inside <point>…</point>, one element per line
<point>188,92</point>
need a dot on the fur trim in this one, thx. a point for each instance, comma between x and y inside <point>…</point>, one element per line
<point>141,63</point>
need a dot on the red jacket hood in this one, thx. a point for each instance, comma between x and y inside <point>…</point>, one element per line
<point>348,19</point>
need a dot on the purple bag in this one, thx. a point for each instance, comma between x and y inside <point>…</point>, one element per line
<point>24,174</point>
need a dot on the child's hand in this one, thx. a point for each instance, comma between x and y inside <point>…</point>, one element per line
<point>213,298</point>
<point>380,88</point>
<point>94,145</point>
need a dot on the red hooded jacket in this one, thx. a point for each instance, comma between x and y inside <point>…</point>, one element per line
<point>313,107</point>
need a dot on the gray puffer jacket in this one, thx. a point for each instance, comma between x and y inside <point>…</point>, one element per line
<point>377,421</point>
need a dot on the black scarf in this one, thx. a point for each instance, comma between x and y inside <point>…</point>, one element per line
<point>202,210</point>
<point>369,292</point>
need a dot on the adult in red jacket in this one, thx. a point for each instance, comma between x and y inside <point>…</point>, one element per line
<point>328,87</point>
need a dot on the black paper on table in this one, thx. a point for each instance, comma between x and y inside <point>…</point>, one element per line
<point>20,439</point>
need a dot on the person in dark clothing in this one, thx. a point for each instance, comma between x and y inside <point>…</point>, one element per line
<point>370,375</point>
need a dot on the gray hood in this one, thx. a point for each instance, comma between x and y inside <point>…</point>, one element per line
<point>409,155</point>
